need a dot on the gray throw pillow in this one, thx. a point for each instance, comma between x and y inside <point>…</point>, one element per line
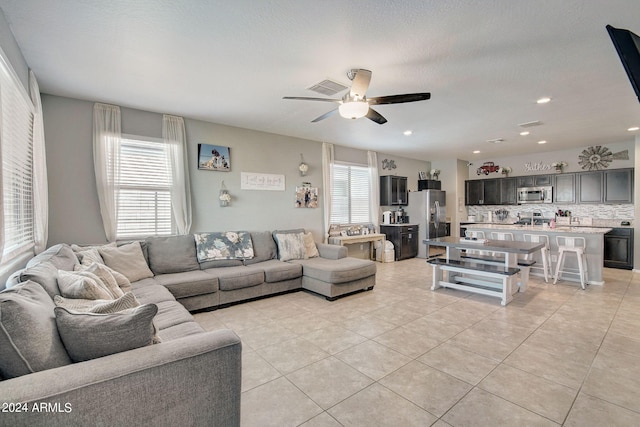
<point>102,306</point>
<point>88,336</point>
<point>127,259</point>
<point>44,273</point>
<point>172,254</point>
<point>29,340</point>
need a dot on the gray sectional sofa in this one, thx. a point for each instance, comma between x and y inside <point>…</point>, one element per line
<point>192,377</point>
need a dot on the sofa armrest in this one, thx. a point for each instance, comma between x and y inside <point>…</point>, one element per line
<point>331,251</point>
<point>194,380</point>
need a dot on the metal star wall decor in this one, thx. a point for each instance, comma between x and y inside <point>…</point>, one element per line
<point>599,157</point>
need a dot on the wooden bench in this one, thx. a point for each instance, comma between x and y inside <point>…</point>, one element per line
<point>524,265</point>
<point>485,279</point>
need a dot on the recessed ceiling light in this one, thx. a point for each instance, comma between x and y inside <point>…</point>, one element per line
<point>542,142</point>
<point>543,100</point>
<point>633,129</point>
<point>408,132</point>
<point>476,151</point>
<point>525,133</point>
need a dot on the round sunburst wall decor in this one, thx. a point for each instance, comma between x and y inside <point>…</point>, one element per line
<point>595,158</point>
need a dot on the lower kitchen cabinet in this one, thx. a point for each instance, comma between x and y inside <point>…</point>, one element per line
<point>618,248</point>
<point>404,238</point>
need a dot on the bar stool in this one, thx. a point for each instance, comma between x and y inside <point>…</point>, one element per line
<point>477,235</point>
<point>500,235</point>
<point>544,252</point>
<point>576,245</point>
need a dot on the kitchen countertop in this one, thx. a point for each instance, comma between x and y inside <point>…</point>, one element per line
<point>538,228</point>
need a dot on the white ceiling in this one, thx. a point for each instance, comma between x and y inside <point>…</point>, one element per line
<point>231,62</point>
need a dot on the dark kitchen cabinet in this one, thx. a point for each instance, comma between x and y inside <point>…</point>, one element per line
<point>534,180</point>
<point>590,187</point>
<point>508,191</point>
<point>618,248</point>
<point>564,188</point>
<point>474,192</point>
<point>618,186</point>
<point>393,190</point>
<point>491,191</point>
<point>404,238</point>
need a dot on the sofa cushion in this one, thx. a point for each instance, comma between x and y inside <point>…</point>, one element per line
<point>171,313</point>
<point>172,254</point>
<point>231,278</point>
<point>277,271</point>
<point>223,245</point>
<point>337,271</point>
<point>188,283</point>
<point>264,247</point>
<point>102,306</point>
<point>127,259</point>
<point>82,284</point>
<point>88,336</point>
<point>59,255</point>
<point>290,246</point>
<point>44,273</point>
<point>220,263</point>
<point>179,331</point>
<point>152,294</point>
<point>29,340</point>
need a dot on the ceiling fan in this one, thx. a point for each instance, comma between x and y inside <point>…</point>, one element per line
<point>355,104</point>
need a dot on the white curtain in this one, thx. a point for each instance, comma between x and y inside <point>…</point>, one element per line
<point>374,194</point>
<point>327,181</point>
<point>174,136</point>
<point>106,160</point>
<point>40,186</point>
<point>1,187</point>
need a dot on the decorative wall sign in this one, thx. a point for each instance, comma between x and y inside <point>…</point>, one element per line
<point>598,157</point>
<point>306,197</point>
<point>261,181</point>
<point>536,167</point>
<point>214,158</point>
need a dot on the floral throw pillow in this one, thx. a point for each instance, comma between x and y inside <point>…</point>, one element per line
<point>224,245</point>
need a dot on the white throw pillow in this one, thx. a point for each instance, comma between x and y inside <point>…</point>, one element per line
<point>81,284</point>
<point>101,306</point>
<point>127,259</point>
<point>290,246</point>
<point>310,247</point>
<point>104,274</point>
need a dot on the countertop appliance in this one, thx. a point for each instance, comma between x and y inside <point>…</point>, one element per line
<point>535,195</point>
<point>428,208</point>
<point>386,217</point>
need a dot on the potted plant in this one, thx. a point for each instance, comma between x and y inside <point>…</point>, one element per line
<point>559,165</point>
<point>434,174</point>
<point>504,170</point>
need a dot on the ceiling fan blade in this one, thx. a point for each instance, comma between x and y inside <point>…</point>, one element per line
<point>304,98</point>
<point>375,116</point>
<point>360,83</point>
<point>324,116</point>
<point>399,99</point>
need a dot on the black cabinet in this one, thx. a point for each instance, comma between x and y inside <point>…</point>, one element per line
<point>590,188</point>
<point>404,238</point>
<point>618,186</point>
<point>495,191</point>
<point>534,180</point>
<point>564,188</point>
<point>393,190</point>
<point>429,184</point>
<point>508,191</point>
<point>474,192</point>
<point>618,248</point>
<point>491,192</point>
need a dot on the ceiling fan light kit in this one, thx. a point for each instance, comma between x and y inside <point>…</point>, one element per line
<point>355,104</point>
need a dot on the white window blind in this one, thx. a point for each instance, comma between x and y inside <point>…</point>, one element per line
<point>350,194</point>
<point>16,127</point>
<point>144,189</point>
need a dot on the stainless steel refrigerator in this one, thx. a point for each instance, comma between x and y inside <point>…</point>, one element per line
<point>428,208</point>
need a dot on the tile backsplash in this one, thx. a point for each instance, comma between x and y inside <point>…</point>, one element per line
<point>622,212</point>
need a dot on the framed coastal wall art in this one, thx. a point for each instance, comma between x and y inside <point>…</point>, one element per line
<point>214,158</point>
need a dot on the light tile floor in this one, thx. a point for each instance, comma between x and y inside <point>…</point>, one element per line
<point>403,355</point>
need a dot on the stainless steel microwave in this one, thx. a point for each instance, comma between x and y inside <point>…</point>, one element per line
<point>535,195</point>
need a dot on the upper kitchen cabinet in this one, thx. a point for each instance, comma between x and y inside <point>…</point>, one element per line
<point>564,188</point>
<point>618,186</point>
<point>393,190</point>
<point>590,187</point>
<point>508,191</point>
<point>491,192</point>
<point>495,191</point>
<point>534,180</point>
<point>474,192</point>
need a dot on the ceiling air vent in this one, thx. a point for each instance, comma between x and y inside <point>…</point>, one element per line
<point>530,124</point>
<point>495,141</point>
<point>328,87</point>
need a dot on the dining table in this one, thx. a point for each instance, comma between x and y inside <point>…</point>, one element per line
<point>487,251</point>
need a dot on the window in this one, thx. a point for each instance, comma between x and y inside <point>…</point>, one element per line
<point>350,194</point>
<point>143,188</point>
<point>16,140</point>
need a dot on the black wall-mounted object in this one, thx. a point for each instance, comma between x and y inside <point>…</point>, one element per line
<point>627,45</point>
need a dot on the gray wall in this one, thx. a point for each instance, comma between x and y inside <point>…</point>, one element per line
<point>12,51</point>
<point>74,211</point>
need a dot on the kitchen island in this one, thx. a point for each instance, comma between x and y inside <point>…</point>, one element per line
<point>593,236</point>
